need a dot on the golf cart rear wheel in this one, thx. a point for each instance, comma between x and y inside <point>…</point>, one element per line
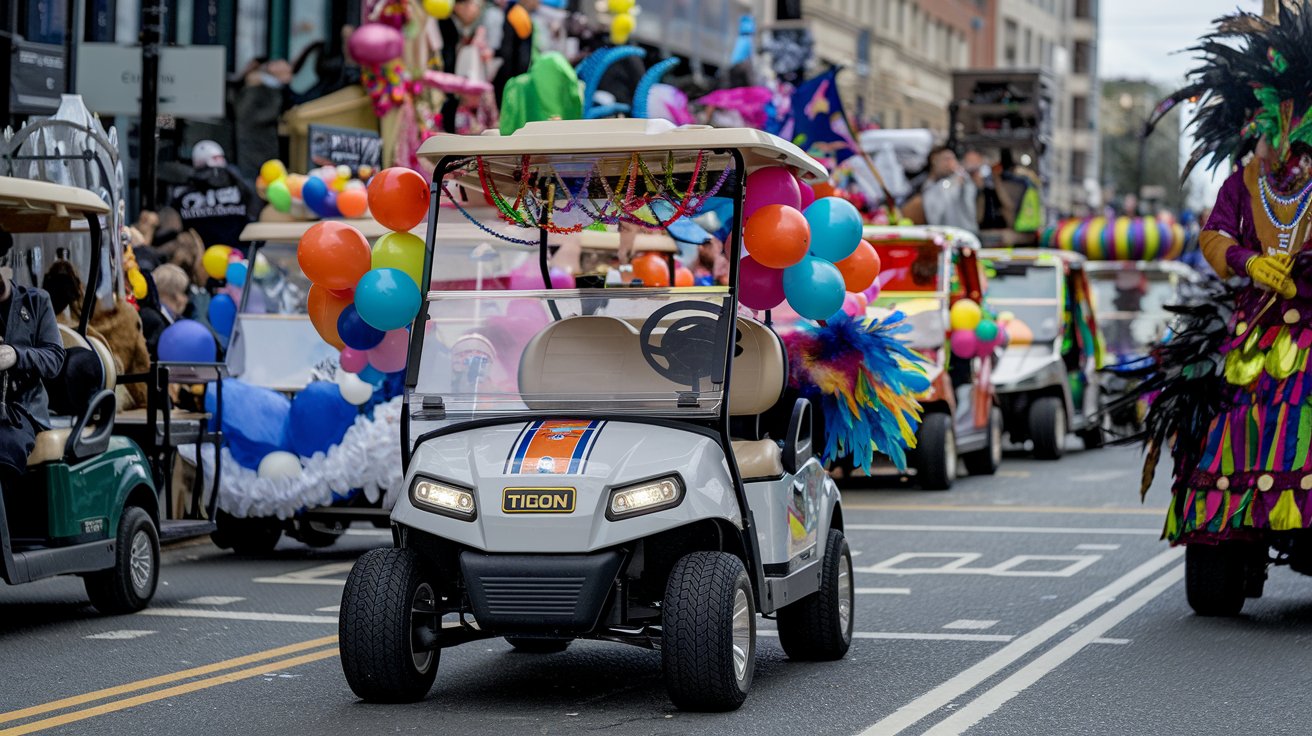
<point>936,452</point>
<point>985,461</point>
<point>252,536</point>
<point>1215,576</point>
<point>538,646</point>
<point>388,616</point>
<point>819,627</point>
<point>708,623</point>
<point>129,585</point>
<point>1048,427</point>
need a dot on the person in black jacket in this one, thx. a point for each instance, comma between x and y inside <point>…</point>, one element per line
<point>216,202</point>
<point>30,350</point>
<point>516,51</point>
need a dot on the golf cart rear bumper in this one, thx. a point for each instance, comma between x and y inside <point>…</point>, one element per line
<point>519,593</point>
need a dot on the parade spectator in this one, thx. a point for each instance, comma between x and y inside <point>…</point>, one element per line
<point>949,193</point>
<point>215,202</point>
<point>167,300</point>
<point>263,97</point>
<point>991,205</point>
<point>465,52</point>
<point>515,50</point>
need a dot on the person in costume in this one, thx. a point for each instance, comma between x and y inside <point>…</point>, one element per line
<point>1236,386</point>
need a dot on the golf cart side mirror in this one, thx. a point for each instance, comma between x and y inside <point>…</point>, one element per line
<point>797,445</point>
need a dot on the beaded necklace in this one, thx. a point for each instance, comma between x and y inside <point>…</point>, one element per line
<point>1302,198</point>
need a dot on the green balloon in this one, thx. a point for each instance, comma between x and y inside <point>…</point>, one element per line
<point>404,251</point>
<point>986,330</point>
<point>279,196</point>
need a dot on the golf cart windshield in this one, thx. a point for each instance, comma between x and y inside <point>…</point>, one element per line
<point>1031,292</point>
<point>1131,307</point>
<point>915,282</point>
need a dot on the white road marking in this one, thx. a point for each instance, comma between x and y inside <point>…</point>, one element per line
<point>329,609</point>
<point>994,698</point>
<point>1126,531</point>
<point>1012,474</point>
<point>369,532</point>
<point>122,634</point>
<point>1105,640</point>
<point>1099,477</point>
<point>973,676</point>
<point>1098,547</point>
<point>958,561</point>
<point>311,576</point>
<point>883,591</point>
<point>970,624</point>
<point>276,618</point>
<point>213,600</point>
<point>913,636</point>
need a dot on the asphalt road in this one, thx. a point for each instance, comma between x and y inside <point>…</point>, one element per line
<point>1038,601</point>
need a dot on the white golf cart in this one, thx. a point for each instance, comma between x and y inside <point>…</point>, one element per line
<point>618,463</point>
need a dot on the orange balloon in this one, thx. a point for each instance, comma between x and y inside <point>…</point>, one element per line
<point>398,198</point>
<point>519,19</point>
<point>652,269</point>
<point>860,269</point>
<point>777,236</point>
<point>333,255</point>
<point>295,182</point>
<point>352,203</point>
<point>683,277</point>
<point>325,307</point>
<point>824,189</point>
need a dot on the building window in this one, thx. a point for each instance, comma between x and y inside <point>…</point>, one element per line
<point>1080,113</point>
<point>1083,61</point>
<point>1028,46</point>
<point>1009,34</point>
<point>1079,164</point>
<point>1084,9</point>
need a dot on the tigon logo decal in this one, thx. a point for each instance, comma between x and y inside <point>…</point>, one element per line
<point>537,500</point>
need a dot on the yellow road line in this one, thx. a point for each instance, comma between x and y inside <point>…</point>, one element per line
<point>1114,510</point>
<point>183,689</point>
<point>110,692</point>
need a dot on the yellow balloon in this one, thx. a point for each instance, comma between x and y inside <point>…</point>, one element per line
<point>262,268</point>
<point>965,315</point>
<point>272,170</point>
<point>1006,317</point>
<point>618,7</point>
<point>138,283</point>
<point>215,261</point>
<point>520,21</point>
<point>400,250</point>
<point>440,9</point>
<point>621,28</point>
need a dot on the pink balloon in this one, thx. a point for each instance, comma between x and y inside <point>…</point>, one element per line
<point>373,44</point>
<point>851,306</point>
<point>389,355</point>
<point>526,277</point>
<point>964,343</point>
<point>759,287</point>
<point>354,361</point>
<point>808,194</point>
<point>561,279</point>
<point>772,185</point>
<point>863,300</point>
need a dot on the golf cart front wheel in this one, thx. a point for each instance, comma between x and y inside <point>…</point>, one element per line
<point>936,452</point>
<point>985,461</point>
<point>1048,427</point>
<point>387,622</point>
<point>249,537</point>
<point>708,623</point>
<point>538,646</point>
<point>819,627</point>
<point>1216,576</point>
<point>129,585</point>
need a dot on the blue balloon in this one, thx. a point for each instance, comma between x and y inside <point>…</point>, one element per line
<point>313,193</point>
<point>236,274</point>
<point>372,376</point>
<point>835,228</point>
<point>328,208</point>
<point>355,332</point>
<point>387,298</point>
<point>319,418</point>
<point>255,420</point>
<point>814,288</point>
<point>223,312</point>
<point>187,341</point>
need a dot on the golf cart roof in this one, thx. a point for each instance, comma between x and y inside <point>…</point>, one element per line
<point>28,206</point>
<point>576,137</point>
<point>954,236</point>
<point>1037,256</point>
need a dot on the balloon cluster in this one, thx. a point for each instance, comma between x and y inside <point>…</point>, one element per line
<point>975,333</point>
<point>806,250</point>
<point>362,299</point>
<point>227,264</point>
<point>622,21</point>
<point>328,191</point>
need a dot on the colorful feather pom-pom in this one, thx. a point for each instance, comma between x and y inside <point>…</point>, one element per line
<point>863,380</point>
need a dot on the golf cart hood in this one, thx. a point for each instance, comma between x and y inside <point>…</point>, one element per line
<point>1028,367</point>
<point>590,457</point>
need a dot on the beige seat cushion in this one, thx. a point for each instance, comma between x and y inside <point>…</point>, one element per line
<point>758,458</point>
<point>49,446</point>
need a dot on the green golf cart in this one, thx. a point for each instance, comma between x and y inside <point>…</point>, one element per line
<point>87,504</point>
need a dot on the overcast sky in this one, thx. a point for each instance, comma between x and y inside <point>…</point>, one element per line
<point>1138,38</point>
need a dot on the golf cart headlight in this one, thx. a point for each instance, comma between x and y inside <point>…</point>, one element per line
<point>443,498</point>
<point>645,497</point>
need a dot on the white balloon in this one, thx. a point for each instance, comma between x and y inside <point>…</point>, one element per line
<point>280,464</point>
<point>354,389</point>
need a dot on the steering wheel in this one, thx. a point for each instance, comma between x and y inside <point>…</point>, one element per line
<point>686,351</point>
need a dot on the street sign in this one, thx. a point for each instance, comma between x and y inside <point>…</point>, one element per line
<point>36,77</point>
<point>190,79</point>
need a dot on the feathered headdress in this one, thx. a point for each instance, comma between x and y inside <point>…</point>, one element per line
<point>1254,80</point>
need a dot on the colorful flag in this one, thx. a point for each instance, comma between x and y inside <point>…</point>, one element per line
<point>817,123</point>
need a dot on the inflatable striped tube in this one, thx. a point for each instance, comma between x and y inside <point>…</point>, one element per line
<point>1117,239</point>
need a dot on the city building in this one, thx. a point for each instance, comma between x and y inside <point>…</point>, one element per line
<point>1149,168</point>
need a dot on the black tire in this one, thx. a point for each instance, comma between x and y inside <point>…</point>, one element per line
<point>818,628</point>
<point>936,452</point>
<point>307,534</point>
<point>250,537</point>
<point>129,585</point>
<point>387,600</point>
<point>705,669</point>
<point>538,646</point>
<point>985,461</point>
<point>1047,419</point>
<point>1215,577</point>
<point>1094,437</point>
